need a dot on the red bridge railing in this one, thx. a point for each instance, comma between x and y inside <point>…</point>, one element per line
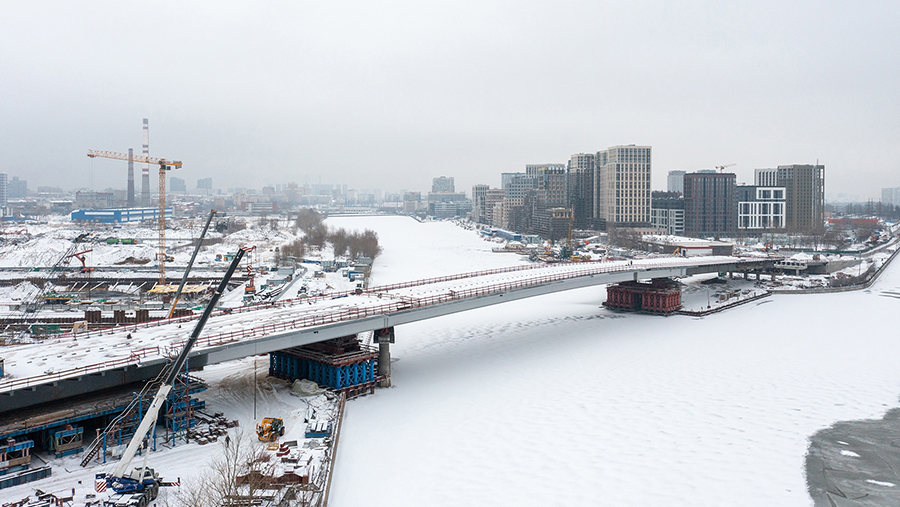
<point>347,314</point>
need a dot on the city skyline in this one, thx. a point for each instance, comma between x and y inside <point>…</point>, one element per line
<point>387,96</point>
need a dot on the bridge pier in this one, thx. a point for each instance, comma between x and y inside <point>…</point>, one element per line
<point>384,338</point>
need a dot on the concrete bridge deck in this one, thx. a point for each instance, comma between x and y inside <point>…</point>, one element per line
<point>70,365</point>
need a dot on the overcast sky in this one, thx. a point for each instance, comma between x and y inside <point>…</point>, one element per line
<point>391,94</point>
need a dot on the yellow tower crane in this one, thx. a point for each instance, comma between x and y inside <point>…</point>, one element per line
<point>164,165</point>
<point>722,168</point>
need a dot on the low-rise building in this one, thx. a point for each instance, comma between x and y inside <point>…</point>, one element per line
<point>687,247</point>
<point>109,216</point>
<point>667,212</point>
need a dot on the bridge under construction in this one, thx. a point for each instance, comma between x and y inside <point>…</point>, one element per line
<point>73,364</point>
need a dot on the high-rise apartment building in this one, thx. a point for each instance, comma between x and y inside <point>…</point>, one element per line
<point>517,185</point>
<point>710,204</point>
<point>622,185</point>
<point>479,192</point>
<point>581,188</point>
<point>4,191</point>
<point>204,186</point>
<point>765,177</point>
<point>442,184</point>
<point>550,181</point>
<point>889,196</point>
<point>177,185</point>
<point>506,178</point>
<point>492,198</point>
<point>17,188</point>
<point>675,181</point>
<point>804,187</point>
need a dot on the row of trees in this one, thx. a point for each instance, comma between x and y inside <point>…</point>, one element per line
<point>354,244</point>
<point>316,234</point>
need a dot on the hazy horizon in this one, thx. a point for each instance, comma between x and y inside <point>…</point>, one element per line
<point>391,95</point>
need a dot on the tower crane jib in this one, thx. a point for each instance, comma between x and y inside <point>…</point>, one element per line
<point>164,165</point>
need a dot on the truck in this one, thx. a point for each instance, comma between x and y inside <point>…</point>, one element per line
<point>140,486</point>
<point>137,489</point>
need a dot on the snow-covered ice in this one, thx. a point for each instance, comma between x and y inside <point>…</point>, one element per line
<point>555,401</point>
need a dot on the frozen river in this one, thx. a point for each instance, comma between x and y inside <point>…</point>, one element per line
<point>556,401</point>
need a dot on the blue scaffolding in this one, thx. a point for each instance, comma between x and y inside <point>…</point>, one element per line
<point>342,371</point>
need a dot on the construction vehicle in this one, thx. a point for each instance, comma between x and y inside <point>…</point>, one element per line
<point>140,486</point>
<point>164,165</point>
<point>80,257</point>
<point>567,250</point>
<point>270,429</point>
<point>84,236</point>
<point>250,289</point>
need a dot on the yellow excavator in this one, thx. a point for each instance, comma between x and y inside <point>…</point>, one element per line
<point>270,429</point>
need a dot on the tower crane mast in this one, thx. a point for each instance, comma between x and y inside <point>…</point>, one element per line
<point>164,165</point>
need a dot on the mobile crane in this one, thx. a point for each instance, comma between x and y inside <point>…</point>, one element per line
<point>140,486</point>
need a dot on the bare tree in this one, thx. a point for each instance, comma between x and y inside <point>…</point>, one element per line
<point>294,250</point>
<point>238,474</point>
<point>340,240</point>
<point>833,239</point>
<point>307,219</point>
<point>364,244</point>
<point>317,235</point>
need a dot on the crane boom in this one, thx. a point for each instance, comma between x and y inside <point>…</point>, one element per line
<point>187,270</point>
<point>170,164</point>
<point>152,413</point>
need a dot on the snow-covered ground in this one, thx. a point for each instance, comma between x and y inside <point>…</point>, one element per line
<point>231,391</point>
<point>556,401</point>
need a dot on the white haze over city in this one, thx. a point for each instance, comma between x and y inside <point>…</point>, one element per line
<point>387,95</point>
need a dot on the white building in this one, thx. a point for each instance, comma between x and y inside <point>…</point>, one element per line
<point>622,186</point>
<point>442,184</point>
<point>670,220</point>
<point>760,208</point>
<point>675,181</point>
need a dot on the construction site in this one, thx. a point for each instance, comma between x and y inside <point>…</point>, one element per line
<point>95,271</point>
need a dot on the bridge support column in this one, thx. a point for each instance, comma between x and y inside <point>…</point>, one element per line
<point>384,364</point>
<point>384,338</point>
